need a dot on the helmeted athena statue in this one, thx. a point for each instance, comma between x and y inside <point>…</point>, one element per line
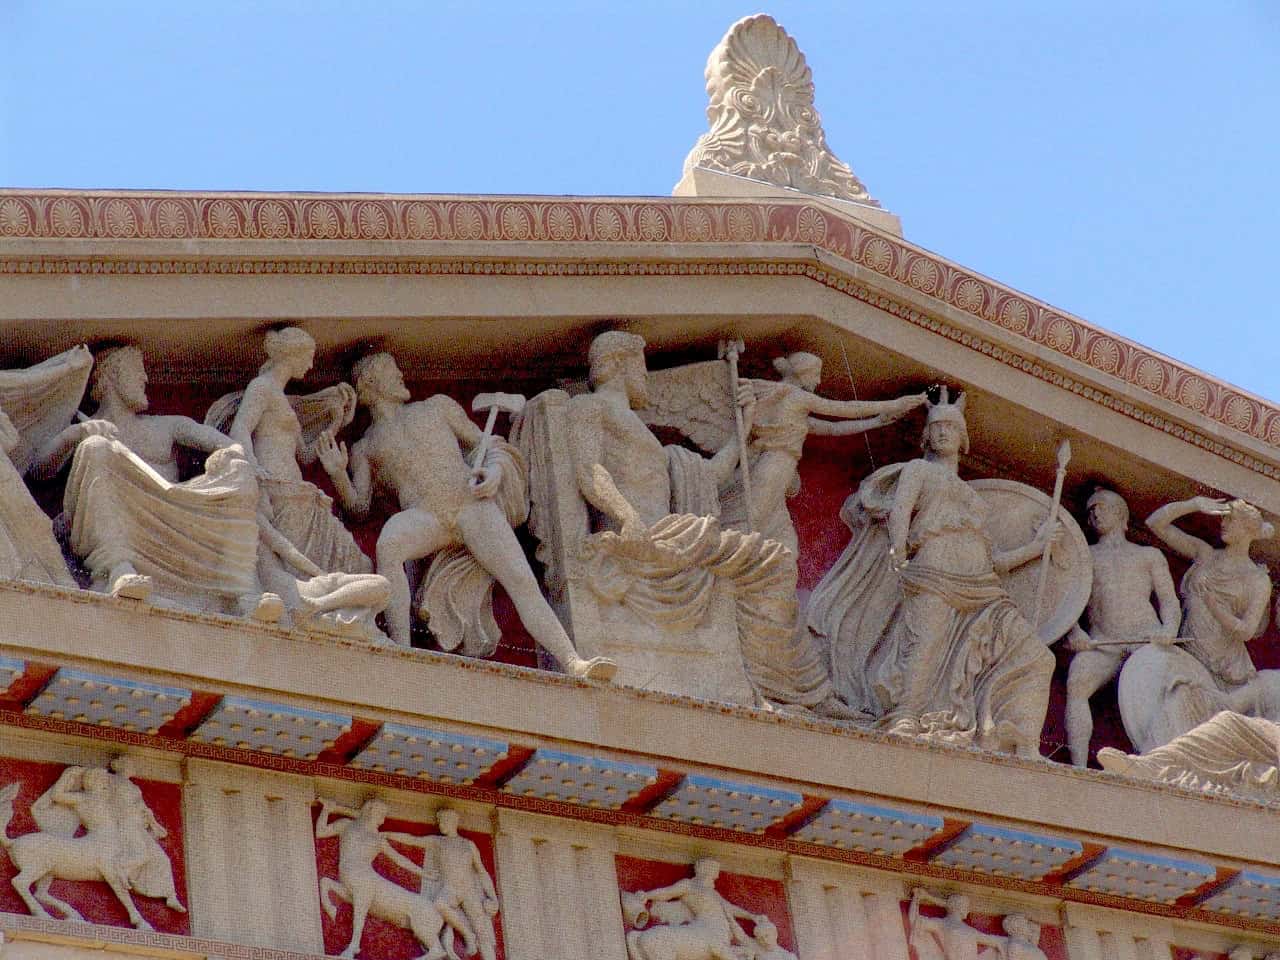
<point>921,630</point>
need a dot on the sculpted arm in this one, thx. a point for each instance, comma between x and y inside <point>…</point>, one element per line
<point>53,455</point>
<point>8,433</point>
<point>354,490</point>
<point>910,485</point>
<point>673,892</point>
<point>1161,524</point>
<point>486,881</point>
<point>399,858</point>
<point>1243,628</point>
<point>880,411</point>
<point>248,415</point>
<point>1167,605</point>
<point>197,436</point>
<point>586,442</point>
<point>468,433</point>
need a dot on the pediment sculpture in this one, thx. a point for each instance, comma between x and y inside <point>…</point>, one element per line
<point>917,616</point>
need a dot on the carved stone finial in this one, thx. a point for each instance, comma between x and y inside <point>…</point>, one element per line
<point>763,122</point>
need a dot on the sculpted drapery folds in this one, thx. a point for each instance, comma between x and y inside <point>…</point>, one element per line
<point>695,400</point>
<point>37,436</point>
<point>921,633</point>
<point>1166,690</point>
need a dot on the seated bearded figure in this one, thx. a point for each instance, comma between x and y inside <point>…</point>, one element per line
<point>633,546</point>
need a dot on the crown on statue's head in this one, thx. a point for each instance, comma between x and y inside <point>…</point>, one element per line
<point>945,410</point>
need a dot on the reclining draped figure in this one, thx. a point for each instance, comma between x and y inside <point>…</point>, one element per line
<point>207,543</point>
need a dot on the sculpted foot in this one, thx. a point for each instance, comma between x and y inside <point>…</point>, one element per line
<point>133,586</point>
<point>597,668</point>
<point>268,609</point>
<point>836,709</point>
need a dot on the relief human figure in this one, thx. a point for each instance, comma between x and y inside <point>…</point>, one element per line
<point>111,849</point>
<point>694,399</point>
<point>465,886</point>
<point>414,451</point>
<point>360,842</point>
<point>950,937</point>
<point>701,925</point>
<point>267,426</point>
<point>1126,576</point>
<point>1166,691</point>
<point>922,634</point>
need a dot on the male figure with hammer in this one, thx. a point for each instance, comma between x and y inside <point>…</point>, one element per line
<point>414,451</point>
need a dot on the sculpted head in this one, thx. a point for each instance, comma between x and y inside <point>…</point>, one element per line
<point>945,431</point>
<point>124,765</point>
<point>1021,927</point>
<point>620,355</point>
<point>96,780</point>
<point>800,368</point>
<point>120,372</point>
<point>447,820</point>
<point>291,348</point>
<point>766,934</point>
<point>378,377</point>
<point>706,869</point>
<point>958,905</point>
<point>1244,522</point>
<point>1107,511</point>
<point>374,812</point>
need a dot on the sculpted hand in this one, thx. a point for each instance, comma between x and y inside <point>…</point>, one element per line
<point>484,482</point>
<point>633,528</point>
<point>898,558</point>
<point>333,455</point>
<point>904,405</point>
<point>491,906</point>
<point>1214,506</point>
<point>747,401</point>
<point>97,428</point>
<point>1050,534</point>
<point>1078,640</point>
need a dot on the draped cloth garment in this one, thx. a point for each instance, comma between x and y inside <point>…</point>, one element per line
<point>455,597</point>
<point>986,669</point>
<point>194,538</point>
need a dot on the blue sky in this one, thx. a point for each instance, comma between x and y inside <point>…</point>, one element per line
<point>1119,160</point>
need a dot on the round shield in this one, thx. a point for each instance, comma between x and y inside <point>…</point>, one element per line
<point>1016,512</point>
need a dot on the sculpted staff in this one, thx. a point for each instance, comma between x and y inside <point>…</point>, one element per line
<point>414,451</point>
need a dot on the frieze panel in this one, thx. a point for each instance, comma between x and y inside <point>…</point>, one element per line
<point>97,844</point>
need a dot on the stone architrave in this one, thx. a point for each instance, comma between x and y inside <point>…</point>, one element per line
<point>951,937</point>
<point>1229,753</point>
<point>764,125</point>
<point>119,844</point>
<point>696,400</point>
<point>691,920</point>
<point>919,616</point>
<point>632,543</point>
<point>460,515</point>
<point>1167,690</point>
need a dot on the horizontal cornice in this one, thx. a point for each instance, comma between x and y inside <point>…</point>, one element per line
<point>407,234</point>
